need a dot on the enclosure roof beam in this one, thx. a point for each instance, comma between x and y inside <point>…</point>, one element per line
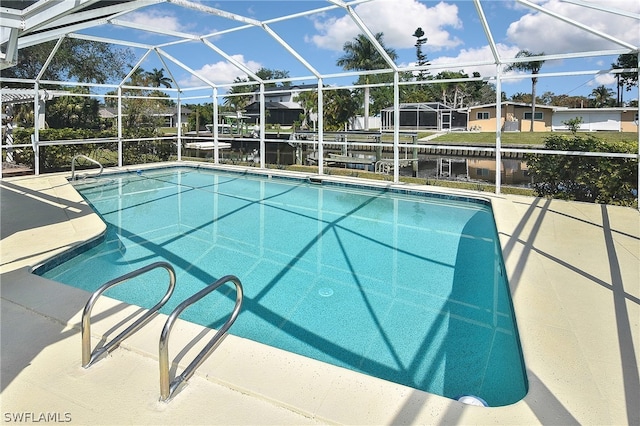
<point>163,31</point>
<point>576,24</point>
<point>164,64</point>
<point>103,13</point>
<point>356,18</point>
<point>135,67</point>
<point>44,12</point>
<point>54,34</point>
<point>11,18</point>
<point>487,31</point>
<point>291,50</point>
<point>234,61</point>
<point>604,8</point>
<point>110,41</point>
<point>213,11</point>
<point>186,68</point>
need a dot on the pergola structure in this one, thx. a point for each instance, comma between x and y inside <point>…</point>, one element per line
<point>28,23</point>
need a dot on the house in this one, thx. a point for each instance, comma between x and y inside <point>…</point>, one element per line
<point>283,113</point>
<point>281,106</point>
<point>621,119</point>
<point>515,117</point>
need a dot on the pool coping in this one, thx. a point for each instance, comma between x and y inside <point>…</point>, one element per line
<point>555,292</point>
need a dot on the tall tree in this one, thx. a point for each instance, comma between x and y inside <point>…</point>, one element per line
<point>421,58</point>
<point>237,100</point>
<point>532,67</point>
<point>339,106</point>
<point>602,96</point>
<point>73,111</point>
<point>626,79</point>
<point>80,60</point>
<point>269,74</point>
<point>360,54</point>
<point>157,78</point>
<point>308,100</point>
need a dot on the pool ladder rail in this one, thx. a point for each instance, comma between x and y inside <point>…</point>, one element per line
<point>73,166</point>
<point>167,387</point>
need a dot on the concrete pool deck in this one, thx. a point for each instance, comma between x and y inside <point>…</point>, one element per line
<point>574,273</point>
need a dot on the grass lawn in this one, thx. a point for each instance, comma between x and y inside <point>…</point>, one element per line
<point>522,138</point>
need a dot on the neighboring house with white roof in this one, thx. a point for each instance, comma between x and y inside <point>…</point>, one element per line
<point>280,104</point>
<point>597,119</point>
<point>548,118</point>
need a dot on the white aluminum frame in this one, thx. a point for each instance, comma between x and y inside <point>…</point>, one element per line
<point>46,20</point>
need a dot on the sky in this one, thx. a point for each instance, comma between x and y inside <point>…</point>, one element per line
<point>453,29</point>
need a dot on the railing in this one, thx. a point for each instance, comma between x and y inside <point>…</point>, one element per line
<point>167,388</point>
<point>89,357</point>
<point>73,165</point>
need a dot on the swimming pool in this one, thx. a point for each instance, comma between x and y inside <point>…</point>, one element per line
<point>406,287</point>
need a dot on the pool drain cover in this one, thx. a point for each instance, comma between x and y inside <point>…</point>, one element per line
<point>325,292</point>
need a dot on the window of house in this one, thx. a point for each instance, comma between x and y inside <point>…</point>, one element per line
<point>483,116</point>
<point>482,172</point>
<point>539,116</point>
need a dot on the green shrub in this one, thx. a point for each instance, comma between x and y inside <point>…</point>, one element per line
<point>580,178</point>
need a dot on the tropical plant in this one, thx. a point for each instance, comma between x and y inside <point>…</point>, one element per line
<point>78,112</point>
<point>602,96</point>
<point>157,78</point>
<point>308,100</point>
<point>361,55</point>
<point>237,100</point>
<point>138,77</point>
<point>269,74</point>
<point>339,106</point>
<point>532,67</point>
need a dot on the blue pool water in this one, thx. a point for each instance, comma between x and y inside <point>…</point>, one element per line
<point>407,288</point>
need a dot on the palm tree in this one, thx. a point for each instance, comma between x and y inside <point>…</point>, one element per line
<point>360,54</point>
<point>157,78</point>
<point>533,67</point>
<point>138,77</point>
<point>238,102</point>
<point>602,96</point>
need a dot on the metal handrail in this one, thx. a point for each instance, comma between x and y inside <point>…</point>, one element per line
<point>89,357</point>
<point>167,389</point>
<point>73,165</point>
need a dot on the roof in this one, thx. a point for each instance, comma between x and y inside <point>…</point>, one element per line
<point>426,106</point>
<point>516,104</point>
<point>22,96</point>
<point>254,106</point>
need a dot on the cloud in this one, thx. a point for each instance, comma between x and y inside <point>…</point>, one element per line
<point>221,72</point>
<point>473,55</point>
<point>606,79</point>
<point>539,32</point>
<point>155,19</point>
<point>407,16</point>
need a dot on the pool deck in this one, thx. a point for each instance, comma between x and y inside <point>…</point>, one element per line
<point>573,268</point>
